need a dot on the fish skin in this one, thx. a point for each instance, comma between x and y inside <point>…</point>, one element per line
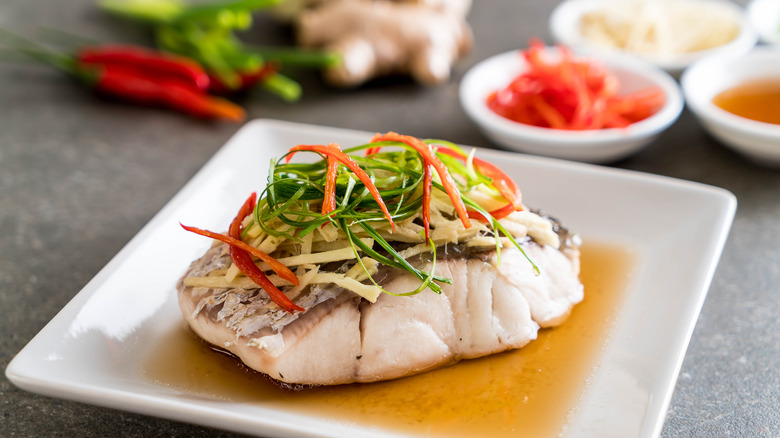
<point>489,308</point>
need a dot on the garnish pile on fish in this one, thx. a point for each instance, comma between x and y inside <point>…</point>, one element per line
<point>381,261</point>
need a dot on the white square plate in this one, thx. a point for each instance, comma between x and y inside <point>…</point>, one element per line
<point>90,351</point>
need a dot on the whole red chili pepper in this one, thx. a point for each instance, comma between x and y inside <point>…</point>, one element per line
<point>187,100</point>
<point>140,75</point>
<point>151,63</point>
<point>128,84</point>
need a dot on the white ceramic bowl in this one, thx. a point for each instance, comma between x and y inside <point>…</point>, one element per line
<point>765,17</point>
<point>565,27</point>
<point>708,77</point>
<point>595,146</point>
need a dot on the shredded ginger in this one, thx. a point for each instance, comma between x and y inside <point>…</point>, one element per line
<point>312,253</point>
<point>660,27</point>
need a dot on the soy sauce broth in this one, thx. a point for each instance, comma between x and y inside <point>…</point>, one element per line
<point>757,100</point>
<point>532,390</point>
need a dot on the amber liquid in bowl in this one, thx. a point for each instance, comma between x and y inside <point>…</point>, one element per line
<point>756,100</point>
<point>531,391</point>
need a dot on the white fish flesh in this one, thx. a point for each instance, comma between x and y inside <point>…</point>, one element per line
<point>341,338</point>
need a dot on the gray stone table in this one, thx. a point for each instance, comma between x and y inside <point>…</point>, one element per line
<point>80,176</point>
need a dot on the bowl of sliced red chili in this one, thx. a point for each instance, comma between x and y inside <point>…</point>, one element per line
<point>549,101</point>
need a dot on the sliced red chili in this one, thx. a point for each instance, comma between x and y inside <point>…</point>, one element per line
<point>501,181</point>
<point>246,209</point>
<point>334,151</point>
<point>498,213</point>
<point>329,201</point>
<point>244,262</point>
<point>568,93</point>
<point>372,151</point>
<point>430,158</point>
<point>283,271</point>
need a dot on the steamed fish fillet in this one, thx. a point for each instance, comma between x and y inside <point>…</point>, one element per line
<point>341,338</point>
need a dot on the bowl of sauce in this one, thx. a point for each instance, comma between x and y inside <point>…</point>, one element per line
<point>757,99</point>
<point>737,100</point>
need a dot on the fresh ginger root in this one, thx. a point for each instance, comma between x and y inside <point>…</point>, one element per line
<point>374,38</point>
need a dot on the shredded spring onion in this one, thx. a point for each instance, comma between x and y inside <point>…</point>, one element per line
<point>363,207</point>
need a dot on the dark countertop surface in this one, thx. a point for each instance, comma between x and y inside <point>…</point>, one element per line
<point>80,176</point>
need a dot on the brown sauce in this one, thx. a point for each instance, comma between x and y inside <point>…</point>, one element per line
<point>532,390</point>
<point>757,100</point>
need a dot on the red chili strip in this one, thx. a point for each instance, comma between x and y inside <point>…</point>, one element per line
<point>244,262</point>
<point>373,150</point>
<point>499,213</point>
<point>430,158</point>
<point>501,181</point>
<point>246,209</point>
<point>334,151</point>
<point>152,62</point>
<point>550,115</point>
<point>329,202</point>
<point>277,267</point>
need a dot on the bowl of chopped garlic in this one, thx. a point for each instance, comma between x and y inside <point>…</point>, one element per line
<point>740,105</point>
<point>550,101</point>
<point>765,16</point>
<point>672,34</point>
